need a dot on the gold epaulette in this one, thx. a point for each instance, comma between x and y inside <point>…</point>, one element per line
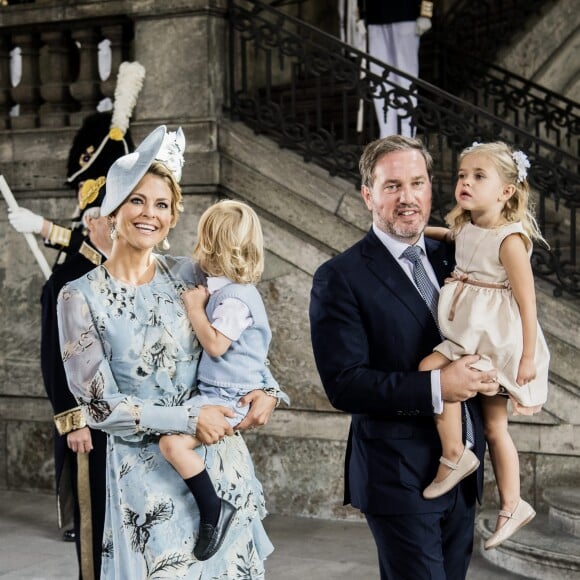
<point>59,236</point>
<point>70,420</point>
<point>426,9</point>
<point>91,254</point>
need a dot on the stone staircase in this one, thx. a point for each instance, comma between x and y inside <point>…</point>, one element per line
<point>549,547</point>
<point>309,216</point>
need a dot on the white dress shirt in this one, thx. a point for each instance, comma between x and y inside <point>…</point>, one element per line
<point>396,248</point>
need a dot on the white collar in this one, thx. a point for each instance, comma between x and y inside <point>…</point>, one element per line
<point>396,247</point>
<point>215,283</point>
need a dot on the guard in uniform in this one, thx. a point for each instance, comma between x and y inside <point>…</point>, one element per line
<point>393,31</point>
<point>103,138</point>
<point>80,452</point>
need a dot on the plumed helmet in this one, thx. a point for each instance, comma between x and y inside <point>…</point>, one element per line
<point>87,159</point>
<point>103,138</point>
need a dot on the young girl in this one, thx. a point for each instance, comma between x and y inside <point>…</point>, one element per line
<point>488,308</point>
<point>230,322</point>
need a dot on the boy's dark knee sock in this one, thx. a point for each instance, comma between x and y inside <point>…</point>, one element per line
<point>207,499</point>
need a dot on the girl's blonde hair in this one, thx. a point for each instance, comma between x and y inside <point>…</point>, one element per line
<point>230,242</point>
<point>519,207</point>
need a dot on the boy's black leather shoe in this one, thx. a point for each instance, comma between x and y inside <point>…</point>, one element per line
<point>211,537</point>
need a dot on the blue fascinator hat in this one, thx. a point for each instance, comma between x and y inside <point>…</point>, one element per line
<point>127,171</point>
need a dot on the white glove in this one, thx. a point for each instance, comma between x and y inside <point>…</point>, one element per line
<point>24,221</point>
<point>422,25</point>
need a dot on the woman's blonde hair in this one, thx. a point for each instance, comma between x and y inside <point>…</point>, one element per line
<point>519,207</point>
<point>230,242</point>
<point>161,170</point>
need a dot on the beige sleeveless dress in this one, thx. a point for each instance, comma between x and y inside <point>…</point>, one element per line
<point>480,315</point>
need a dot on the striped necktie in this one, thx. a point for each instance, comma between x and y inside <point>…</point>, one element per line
<point>426,288</point>
<point>430,295</point>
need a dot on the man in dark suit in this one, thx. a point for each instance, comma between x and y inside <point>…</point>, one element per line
<point>370,329</point>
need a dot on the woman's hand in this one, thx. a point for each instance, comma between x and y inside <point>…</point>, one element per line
<point>261,407</point>
<point>80,440</point>
<point>212,425</point>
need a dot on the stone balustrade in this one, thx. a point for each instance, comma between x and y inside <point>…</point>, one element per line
<point>49,73</point>
<point>54,67</point>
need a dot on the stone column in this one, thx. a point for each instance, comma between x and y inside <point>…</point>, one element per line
<point>55,76</point>
<point>118,48</point>
<point>27,92</point>
<point>183,49</point>
<point>184,55</point>
<point>5,84</point>
<point>86,89</point>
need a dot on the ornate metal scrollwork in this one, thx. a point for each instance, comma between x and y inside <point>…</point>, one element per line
<point>304,88</point>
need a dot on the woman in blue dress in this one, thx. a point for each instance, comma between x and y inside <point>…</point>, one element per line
<point>131,359</point>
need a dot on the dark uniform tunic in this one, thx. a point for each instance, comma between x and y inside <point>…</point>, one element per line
<point>68,416</point>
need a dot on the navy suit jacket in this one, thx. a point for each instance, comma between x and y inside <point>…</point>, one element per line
<point>370,329</point>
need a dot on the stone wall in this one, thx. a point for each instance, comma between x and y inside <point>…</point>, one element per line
<point>547,53</point>
<point>307,217</point>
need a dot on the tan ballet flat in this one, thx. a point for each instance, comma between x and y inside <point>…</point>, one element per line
<point>466,465</point>
<point>523,514</point>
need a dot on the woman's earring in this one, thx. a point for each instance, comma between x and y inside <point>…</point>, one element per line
<point>113,233</point>
<point>165,245</point>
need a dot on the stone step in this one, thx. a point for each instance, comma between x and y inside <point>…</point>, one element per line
<point>564,396</point>
<point>555,430</point>
<point>563,404</point>
<point>564,361</point>
<point>564,510</point>
<point>558,316</point>
<point>300,198</point>
<point>536,551</point>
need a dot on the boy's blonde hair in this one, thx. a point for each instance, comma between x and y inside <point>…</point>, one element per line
<point>519,207</point>
<point>230,242</point>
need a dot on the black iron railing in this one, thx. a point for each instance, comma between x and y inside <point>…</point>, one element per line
<point>518,100</point>
<point>305,88</point>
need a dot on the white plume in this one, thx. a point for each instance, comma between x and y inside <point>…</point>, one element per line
<point>129,82</point>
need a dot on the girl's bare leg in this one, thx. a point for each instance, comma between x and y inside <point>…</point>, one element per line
<point>503,453</point>
<point>448,423</point>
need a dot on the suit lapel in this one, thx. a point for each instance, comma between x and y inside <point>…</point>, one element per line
<point>438,254</point>
<point>386,268</point>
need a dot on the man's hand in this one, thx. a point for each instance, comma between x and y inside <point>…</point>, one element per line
<point>261,407</point>
<point>80,440</point>
<point>24,221</point>
<point>422,25</point>
<point>459,381</point>
<point>212,425</point>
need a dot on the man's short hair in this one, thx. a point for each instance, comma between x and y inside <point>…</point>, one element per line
<point>376,149</point>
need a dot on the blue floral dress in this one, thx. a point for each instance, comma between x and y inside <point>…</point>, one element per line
<point>131,358</point>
